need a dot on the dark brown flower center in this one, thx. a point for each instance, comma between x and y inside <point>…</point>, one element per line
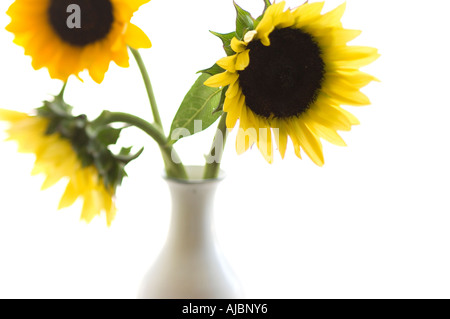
<point>81,22</point>
<point>285,78</point>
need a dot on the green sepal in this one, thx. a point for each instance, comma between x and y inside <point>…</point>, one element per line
<point>56,107</point>
<point>125,151</point>
<point>53,125</point>
<point>244,21</point>
<point>126,157</point>
<point>215,69</point>
<point>219,109</point>
<point>108,135</point>
<point>116,172</point>
<point>198,105</point>
<point>113,173</point>
<point>267,4</point>
<point>89,140</point>
<point>226,40</point>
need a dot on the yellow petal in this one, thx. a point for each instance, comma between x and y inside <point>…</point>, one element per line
<point>12,116</point>
<point>265,140</point>
<point>69,197</point>
<point>234,110</point>
<point>333,116</point>
<point>135,4</point>
<point>110,215</point>
<point>354,78</point>
<point>292,132</point>
<point>310,143</point>
<point>237,45</point>
<point>307,12</point>
<point>228,63</point>
<point>333,18</point>
<point>121,58</point>
<point>281,18</point>
<point>233,89</point>
<point>99,68</point>
<point>347,95</point>
<point>353,120</point>
<point>51,179</point>
<point>342,36</point>
<point>280,134</point>
<point>221,79</point>
<point>351,56</point>
<point>231,102</point>
<point>136,38</point>
<point>90,206</point>
<point>266,26</point>
<point>243,60</point>
<point>247,134</point>
<point>250,35</point>
<point>232,120</point>
<point>325,132</point>
<point>108,205</point>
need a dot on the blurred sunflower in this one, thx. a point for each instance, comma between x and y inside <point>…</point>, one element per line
<point>69,36</point>
<point>64,150</point>
<point>291,73</point>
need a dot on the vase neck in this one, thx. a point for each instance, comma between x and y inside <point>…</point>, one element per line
<point>192,214</point>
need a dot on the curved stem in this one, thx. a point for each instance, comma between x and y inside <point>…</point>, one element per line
<point>174,167</point>
<point>214,159</point>
<point>148,86</point>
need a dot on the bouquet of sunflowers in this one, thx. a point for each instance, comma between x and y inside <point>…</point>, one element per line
<point>283,79</point>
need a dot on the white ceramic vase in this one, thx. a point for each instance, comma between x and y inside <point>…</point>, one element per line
<point>191,264</point>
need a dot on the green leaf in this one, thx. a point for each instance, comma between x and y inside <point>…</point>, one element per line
<point>226,40</point>
<point>266,4</point>
<point>198,105</point>
<point>244,21</point>
<point>215,69</point>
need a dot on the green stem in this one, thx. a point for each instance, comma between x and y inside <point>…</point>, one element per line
<point>148,86</point>
<point>212,167</point>
<point>174,167</point>
<point>61,93</point>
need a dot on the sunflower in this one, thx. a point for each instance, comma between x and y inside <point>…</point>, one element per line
<point>289,75</point>
<point>59,158</point>
<point>69,36</point>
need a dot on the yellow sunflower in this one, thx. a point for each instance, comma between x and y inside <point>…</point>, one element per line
<point>289,76</point>
<point>69,36</point>
<point>56,158</point>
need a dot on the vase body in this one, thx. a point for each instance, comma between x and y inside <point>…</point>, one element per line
<point>191,264</point>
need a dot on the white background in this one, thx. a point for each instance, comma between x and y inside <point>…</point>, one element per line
<point>373,223</point>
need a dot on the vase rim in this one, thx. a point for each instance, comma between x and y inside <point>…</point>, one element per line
<point>195,174</point>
